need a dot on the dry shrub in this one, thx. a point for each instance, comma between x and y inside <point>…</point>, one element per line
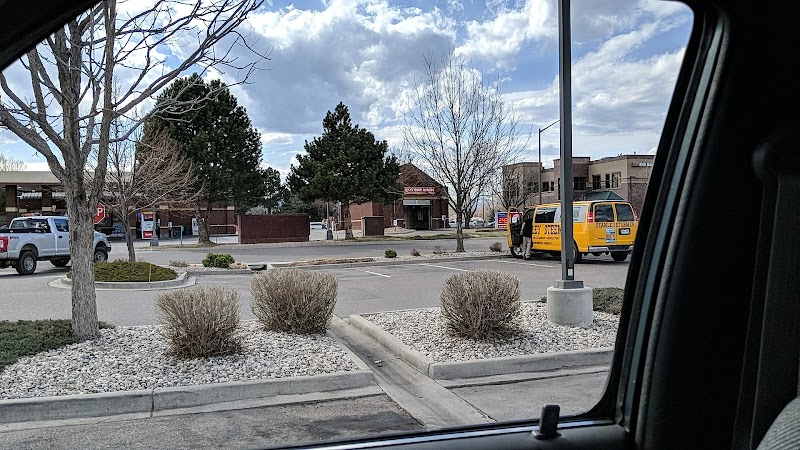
<point>439,250</point>
<point>238,265</point>
<point>414,252</point>
<point>178,264</point>
<point>481,304</point>
<point>201,321</point>
<point>294,300</point>
<point>496,247</point>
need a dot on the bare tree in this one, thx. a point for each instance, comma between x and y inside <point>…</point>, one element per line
<point>71,106</point>
<point>11,164</point>
<point>145,175</point>
<point>512,187</point>
<point>462,131</point>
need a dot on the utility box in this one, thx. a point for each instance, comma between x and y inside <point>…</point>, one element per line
<point>372,226</point>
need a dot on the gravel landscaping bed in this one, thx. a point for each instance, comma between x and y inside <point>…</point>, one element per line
<point>128,358</point>
<point>421,257</point>
<point>424,331</point>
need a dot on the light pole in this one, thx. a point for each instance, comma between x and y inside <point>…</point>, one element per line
<point>329,234</point>
<point>540,158</point>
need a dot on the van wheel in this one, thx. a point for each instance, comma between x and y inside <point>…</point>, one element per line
<point>578,256</point>
<point>26,264</point>
<point>619,256</point>
<point>516,252</point>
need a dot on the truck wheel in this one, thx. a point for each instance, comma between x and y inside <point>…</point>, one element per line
<point>516,252</point>
<point>59,262</point>
<point>100,254</point>
<point>26,263</point>
<point>619,256</point>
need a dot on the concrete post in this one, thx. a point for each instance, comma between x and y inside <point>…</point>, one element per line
<point>571,307</point>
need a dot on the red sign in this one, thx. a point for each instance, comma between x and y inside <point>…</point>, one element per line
<point>100,214</point>
<point>502,219</point>
<point>419,190</point>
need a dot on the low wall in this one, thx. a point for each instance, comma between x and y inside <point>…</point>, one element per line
<point>257,229</point>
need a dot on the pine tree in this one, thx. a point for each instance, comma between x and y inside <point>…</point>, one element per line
<point>218,138</point>
<point>346,164</point>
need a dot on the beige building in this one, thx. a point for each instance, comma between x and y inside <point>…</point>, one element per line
<point>624,175</point>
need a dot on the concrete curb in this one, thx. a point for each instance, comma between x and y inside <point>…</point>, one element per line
<point>163,399</point>
<point>411,357</point>
<point>184,279</point>
<point>337,321</point>
<point>202,273</point>
<point>482,367</point>
<point>381,263</point>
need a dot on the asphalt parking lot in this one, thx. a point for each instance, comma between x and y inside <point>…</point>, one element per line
<point>360,290</point>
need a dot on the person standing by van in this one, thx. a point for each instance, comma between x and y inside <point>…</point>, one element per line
<point>527,233</point>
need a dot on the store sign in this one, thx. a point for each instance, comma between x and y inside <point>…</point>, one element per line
<point>418,190</point>
<point>642,164</point>
<point>500,220</point>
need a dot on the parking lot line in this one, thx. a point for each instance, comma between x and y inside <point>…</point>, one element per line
<point>526,264</point>
<point>443,267</point>
<point>378,274</point>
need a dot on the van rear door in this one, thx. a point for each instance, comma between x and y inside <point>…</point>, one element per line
<point>626,224</point>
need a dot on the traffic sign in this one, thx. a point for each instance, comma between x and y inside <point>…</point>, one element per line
<point>101,213</point>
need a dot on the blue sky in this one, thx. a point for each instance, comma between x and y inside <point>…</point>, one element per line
<point>626,55</point>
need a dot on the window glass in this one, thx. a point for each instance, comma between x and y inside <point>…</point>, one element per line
<point>624,212</point>
<point>61,225</point>
<point>578,214</point>
<point>603,213</point>
<point>545,215</point>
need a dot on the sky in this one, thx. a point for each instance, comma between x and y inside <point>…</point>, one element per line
<point>368,54</point>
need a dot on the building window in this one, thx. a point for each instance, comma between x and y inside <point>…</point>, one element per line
<point>596,182</point>
<point>616,177</point>
<point>579,183</point>
<point>608,181</point>
<point>552,188</point>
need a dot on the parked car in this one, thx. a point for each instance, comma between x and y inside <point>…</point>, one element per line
<point>42,238</point>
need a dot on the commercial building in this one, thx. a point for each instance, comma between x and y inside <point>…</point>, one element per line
<point>40,192</point>
<point>423,206</point>
<point>625,176</point>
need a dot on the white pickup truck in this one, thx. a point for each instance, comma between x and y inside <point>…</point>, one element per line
<point>42,238</point>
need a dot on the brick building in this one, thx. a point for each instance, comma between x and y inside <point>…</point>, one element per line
<point>624,175</point>
<point>423,206</point>
<point>40,192</point>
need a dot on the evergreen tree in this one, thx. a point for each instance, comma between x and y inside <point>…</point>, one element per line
<point>346,164</point>
<point>216,135</point>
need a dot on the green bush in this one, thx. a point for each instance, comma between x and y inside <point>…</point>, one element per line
<point>495,247</point>
<point>29,337</point>
<point>389,253</point>
<point>222,260</point>
<point>607,300</point>
<point>200,322</point>
<point>481,304</point>
<point>294,300</point>
<point>138,271</point>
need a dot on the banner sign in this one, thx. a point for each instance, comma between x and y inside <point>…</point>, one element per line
<point>417,190</point>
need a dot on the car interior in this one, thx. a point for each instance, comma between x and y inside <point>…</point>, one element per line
<point>708,350</point>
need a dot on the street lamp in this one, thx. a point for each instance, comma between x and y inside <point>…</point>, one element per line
<point>540,158</point>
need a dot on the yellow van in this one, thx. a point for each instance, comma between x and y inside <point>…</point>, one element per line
<point>600,227</point>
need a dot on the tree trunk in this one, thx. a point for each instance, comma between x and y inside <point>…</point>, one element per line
<point>126,225</point>
<point>81,240</point>
<point>202,226</point>
<point>459,231</point>
<point>348,223</point>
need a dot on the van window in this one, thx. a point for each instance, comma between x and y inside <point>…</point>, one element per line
<point>545,215</point>
<point>578,214</point>
<point>603,213</point>
<point>624,212</point>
